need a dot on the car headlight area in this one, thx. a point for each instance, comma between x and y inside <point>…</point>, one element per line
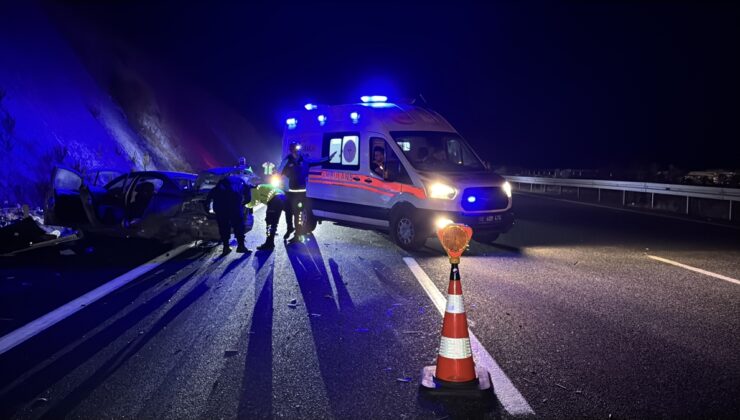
<point>441,191</point>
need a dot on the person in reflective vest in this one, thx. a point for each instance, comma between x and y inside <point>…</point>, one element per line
<point>229,196</point>
<point>295,167</point>
<point>274,198</point>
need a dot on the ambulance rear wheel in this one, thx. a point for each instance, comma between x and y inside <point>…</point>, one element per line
<point>407,231</point>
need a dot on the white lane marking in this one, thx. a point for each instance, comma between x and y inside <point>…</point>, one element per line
<point>509,397</point>
<point>20,335</point>
<point>694,269</point>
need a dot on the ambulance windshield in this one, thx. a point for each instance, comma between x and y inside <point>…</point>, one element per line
<point>437,151</point>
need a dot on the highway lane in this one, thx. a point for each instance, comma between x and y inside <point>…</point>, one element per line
<point>577,316</point>
<point>588,326</point>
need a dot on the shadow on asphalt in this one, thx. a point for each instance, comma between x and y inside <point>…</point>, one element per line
<point>326,321</point>
<point>23,358</point>
<point>256,387</point>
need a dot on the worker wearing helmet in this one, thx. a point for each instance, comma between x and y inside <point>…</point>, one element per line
<point>295,167</point>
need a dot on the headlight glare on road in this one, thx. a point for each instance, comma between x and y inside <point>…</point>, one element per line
<point>443,191</point>
<point>442,222</point>
<point>507,188</point>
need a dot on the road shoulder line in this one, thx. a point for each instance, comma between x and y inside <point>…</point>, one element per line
<point>694,269</point>
<point>20,335</point>
<point>509,397</point>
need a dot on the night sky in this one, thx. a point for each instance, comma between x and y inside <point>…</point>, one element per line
<point>568,84</point>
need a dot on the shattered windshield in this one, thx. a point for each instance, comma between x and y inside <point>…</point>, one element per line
<point>437,151</point>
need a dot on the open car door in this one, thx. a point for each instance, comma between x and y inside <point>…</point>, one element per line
<point>63,206</point>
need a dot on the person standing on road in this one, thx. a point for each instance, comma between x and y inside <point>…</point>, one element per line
<point>229,196</point>
<point>295,167</point>
<point>275,200</point>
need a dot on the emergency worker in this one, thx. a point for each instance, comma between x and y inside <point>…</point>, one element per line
<point>229,196</point>
<point>275,200</point>
<point>295,167</point>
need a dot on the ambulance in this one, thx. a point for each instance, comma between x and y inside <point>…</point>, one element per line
<point>398,167</point>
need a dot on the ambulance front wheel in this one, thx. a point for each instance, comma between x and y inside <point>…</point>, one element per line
<point>407,231</point>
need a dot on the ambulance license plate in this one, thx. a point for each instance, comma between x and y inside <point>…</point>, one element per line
<point>489,219</point>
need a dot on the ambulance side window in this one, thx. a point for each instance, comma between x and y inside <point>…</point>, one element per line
<point>346,150</point>
<point>394,169</point>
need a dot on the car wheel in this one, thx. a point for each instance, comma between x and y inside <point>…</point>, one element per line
<point>406,231</point>
<point>485,238</point>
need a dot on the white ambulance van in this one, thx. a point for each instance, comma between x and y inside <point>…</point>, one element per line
<point>401,168</point>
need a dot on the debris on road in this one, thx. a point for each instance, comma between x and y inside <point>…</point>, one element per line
<point>404,379</point>
<point>327,296</point>
<point>314,315</point>
<point>560,386</point>
<point>293,303</point>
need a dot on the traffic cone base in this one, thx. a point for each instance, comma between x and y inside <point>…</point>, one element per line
<point>479,388</point>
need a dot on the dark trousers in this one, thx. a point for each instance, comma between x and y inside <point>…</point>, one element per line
<point>288,213</point>
<point>228,221</point>
<point>272,216</point>
<point>300,207</point>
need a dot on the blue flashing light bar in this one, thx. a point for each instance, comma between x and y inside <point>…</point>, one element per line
<point>374,98</point>
<point>322,119</point>
<point>471,199</point>
<point>355,117</point>
<point>310,106</point>
<point>291,122</point>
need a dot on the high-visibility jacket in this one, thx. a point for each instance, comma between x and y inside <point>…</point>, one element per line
<point>263,193</point>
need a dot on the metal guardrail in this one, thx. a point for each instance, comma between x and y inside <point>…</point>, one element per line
<point>689,192</point>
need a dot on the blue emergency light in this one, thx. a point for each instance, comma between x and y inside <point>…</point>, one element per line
<point>471,199</point>
<point>355,116</point>
<point>310,106</point>
<point>374,98</point>
<point>322,119</point>
<point>292,122</point>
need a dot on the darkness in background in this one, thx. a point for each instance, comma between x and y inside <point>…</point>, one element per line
<point>569,84</point>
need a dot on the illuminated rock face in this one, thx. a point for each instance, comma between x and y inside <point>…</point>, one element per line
<point>73,97</point>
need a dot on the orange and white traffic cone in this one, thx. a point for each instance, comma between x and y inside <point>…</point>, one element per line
<point>455,373</point>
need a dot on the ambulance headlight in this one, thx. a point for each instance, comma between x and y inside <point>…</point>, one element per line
<point>275,181</point>
<point>442,191</point>
<point>507,188</point>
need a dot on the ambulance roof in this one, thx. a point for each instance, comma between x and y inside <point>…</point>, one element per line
<point>378,117</point>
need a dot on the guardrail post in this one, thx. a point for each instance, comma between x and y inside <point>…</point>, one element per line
<point>598,197</point>
<point>530,187</point>
<point>578,193</point>
<point>624,197</point>
<point>560,190</point>
<point>687,204</point>
<point>730,216</point>
<point>652,200</point>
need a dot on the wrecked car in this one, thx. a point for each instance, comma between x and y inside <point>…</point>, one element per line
<point>167,206</point>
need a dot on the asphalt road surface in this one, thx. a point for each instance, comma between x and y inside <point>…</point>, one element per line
<point>573,304</point>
